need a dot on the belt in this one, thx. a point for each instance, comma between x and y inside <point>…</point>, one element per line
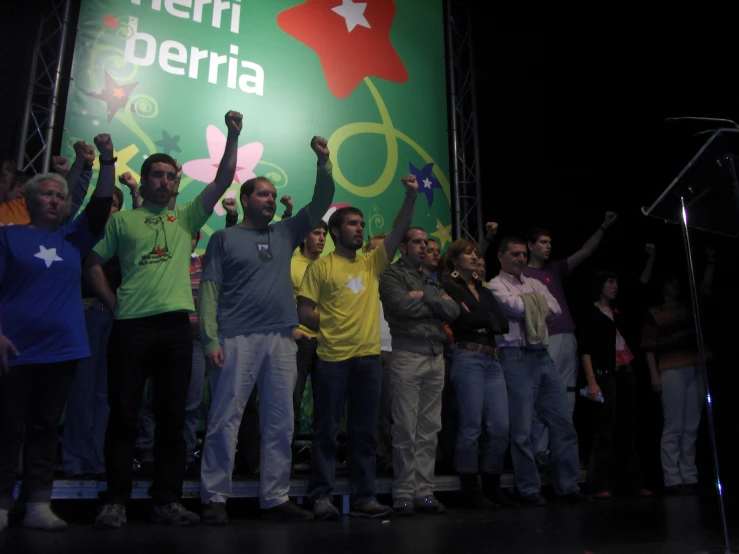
<point>475,347</point>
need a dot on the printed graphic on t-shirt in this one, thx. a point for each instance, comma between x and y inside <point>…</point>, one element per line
<point>160,250</point>
<point>264,251</point>
<point>48,255</point>
<point>355,284</point>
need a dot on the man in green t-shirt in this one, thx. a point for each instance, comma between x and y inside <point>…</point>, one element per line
<point>151,333</point>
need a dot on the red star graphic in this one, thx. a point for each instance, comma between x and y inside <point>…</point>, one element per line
<point>346,56</point>
<point>114,95</point>
<point>171,218</point>
<point>548,280</point>
<point>110,22</point>
<point>159,251</point>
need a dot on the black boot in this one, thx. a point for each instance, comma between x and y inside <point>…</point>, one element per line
<point>472,496</point>
<point>491,489</point>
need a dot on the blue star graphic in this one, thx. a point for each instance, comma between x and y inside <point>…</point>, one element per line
<point>426,181</point>
<point>168,143</point>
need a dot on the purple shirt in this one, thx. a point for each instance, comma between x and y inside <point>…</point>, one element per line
<point>552,276</point>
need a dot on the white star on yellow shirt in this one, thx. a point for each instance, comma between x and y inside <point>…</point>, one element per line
<point>355,284</point>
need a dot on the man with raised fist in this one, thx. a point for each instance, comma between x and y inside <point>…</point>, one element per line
<point>339,299</point>
<point>247,280</point>
<point>151,334</point>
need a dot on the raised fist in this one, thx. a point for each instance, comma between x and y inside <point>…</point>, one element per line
<point>410,183</point>
<point>60,165</point>
<point>234,122</point>
<point>128,180</point>
<point>320,147</point>
<point>491,228</point>
<point>178,173</point>
<point>229,204</point>
<point>287,201</point>
<point>610,219</point>
<point>650,249</point>
<point>84,153</point>
<point>104,145</point>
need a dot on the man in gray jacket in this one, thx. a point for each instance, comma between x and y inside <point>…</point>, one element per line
<point>415,308</point>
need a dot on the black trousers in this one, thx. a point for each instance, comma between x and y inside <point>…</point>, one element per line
<point>613,458</point>
<point>160,346</point>
<point>306,362</point>
<point>32,397</point>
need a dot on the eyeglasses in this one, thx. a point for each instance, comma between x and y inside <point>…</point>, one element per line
<point>159,173</point>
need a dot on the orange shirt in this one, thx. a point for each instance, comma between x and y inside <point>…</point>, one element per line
<point>14,213</point>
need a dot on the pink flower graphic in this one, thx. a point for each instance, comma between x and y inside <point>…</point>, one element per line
<point>204,170</point>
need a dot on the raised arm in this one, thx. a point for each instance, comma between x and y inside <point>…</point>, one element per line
<point>491,229</point>
<point>227,168</point>
<point>323,192</point>
<point>404,217</point>
<point>646,275</point>
<point>232,215</point>
<point>592,244</point>
<point>127,180</point>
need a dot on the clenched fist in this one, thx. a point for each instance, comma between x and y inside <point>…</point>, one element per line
<point>84,153</point>
<point>229,204</point>
<point>104,144</point>
<point>610,219</point>
<point>287,201</point>
<point>491,228</point>
<point>320,147</point>
<point>410,183</point>
<point>650,249</point>
<point>128,180</point>
<point>234,122</point>
<point>60,165</point>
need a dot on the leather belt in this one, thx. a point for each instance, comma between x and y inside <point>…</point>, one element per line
<point>475,347</point>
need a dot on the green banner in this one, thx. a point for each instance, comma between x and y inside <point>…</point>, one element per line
<point>159,75</point>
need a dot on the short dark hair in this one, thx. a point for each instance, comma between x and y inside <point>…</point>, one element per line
<point>247,189</point>
<point>599,279</point>
<point>407,235</point>
<point>118,195</point>
<point>321,225</point>
<point>337,218</point>
<point>532,235</point>
<point>151,160</point>
<point>506,243</point>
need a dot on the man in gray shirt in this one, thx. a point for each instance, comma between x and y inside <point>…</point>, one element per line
<point>247,277</point>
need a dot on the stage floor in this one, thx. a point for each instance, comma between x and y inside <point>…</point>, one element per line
<point>669,525</point>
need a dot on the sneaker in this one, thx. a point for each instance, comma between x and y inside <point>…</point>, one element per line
<point>535,499</point>
<point>111,516</point>
<point>371,509</point>
<point>324,510</point>
<point>214,513</point>
<point>174,514</point>
<point>39,516</point>
<point>429,505</point>
<point>287,511</point>
<point>403,507</point>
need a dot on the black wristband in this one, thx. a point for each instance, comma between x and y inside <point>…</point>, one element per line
<point>108,161</point>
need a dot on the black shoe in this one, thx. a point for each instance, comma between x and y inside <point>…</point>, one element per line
<point>535,499</point>
<point>287,511</point>
<point>174,514</point>
<point>573,498</point>
<point>472,496</point>
<point>403,507</point>
<point>491,489</point>
<point>429,505</point>
<point>214,513</point>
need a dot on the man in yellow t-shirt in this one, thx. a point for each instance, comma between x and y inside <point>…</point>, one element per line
<point>310,250</point>
<point>343,288</point>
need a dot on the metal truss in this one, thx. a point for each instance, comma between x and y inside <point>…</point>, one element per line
<point>42,97</point>
<point>465,151</point>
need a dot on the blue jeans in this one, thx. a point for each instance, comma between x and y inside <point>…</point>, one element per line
<point>480,390</point>
<point>192,410</point>
<point>534,385</point>
<point>86,418</point>
<point>359,381</point>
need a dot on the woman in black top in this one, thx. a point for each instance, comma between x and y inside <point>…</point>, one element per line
<point>606,360</point>
<point>477,378</point>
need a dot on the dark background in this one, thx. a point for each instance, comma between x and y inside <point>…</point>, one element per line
<point>571,125</point>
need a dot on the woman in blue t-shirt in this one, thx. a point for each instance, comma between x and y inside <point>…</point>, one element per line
<point>42,330</point>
